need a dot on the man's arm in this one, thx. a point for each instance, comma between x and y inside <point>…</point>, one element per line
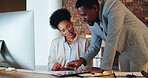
<point>93,49</point>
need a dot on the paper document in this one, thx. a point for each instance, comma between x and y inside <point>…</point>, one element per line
<point>124,74</point>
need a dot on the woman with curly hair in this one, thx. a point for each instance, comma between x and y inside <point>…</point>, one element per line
<point>68,47</point>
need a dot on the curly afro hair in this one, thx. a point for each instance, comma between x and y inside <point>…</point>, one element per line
<point>58,16</point>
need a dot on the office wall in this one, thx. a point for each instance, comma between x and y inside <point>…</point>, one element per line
<point>12,5</point>
<point>43,32</point>
<point>139,8</point>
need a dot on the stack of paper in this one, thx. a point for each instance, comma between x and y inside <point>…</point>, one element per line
<point>125,74</point>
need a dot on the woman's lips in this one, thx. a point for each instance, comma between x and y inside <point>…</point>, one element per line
<point>70,34</point>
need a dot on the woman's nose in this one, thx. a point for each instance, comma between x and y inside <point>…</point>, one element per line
<point>68,30</point>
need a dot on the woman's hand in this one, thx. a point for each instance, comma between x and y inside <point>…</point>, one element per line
<point>56,66</point>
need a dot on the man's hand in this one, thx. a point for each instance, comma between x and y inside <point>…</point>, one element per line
<point>94,70</point>
<point>56,66</point>
<point>75,64</point>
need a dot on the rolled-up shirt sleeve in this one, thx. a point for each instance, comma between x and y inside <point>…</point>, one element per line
<point>93,49</point>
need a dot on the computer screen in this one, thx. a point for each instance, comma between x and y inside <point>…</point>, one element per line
<point>17,39</point>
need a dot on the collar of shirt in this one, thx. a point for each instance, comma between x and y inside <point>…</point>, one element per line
<point>74,41</point>
<point>101,3</point>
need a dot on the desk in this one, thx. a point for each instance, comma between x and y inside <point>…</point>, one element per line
<point>15,74</point>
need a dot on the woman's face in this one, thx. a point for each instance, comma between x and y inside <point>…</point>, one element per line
<point>66,28</point>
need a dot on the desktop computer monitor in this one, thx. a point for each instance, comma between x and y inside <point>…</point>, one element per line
<point>17,45</point>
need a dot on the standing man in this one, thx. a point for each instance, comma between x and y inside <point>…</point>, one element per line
<point>122,31</point>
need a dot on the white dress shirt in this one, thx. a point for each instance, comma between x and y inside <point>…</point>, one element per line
<point>70,50</point>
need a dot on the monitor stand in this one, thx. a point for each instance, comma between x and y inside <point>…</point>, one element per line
<point>1,42</point>
<point>1,58</point>
<point>2,61</point>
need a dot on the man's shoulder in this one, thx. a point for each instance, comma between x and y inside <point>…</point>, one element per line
<point>108,4</point>
<point>110,1</point>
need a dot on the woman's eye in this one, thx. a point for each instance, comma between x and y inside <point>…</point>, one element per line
<point>67,26</point>
<point>63,30</point>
